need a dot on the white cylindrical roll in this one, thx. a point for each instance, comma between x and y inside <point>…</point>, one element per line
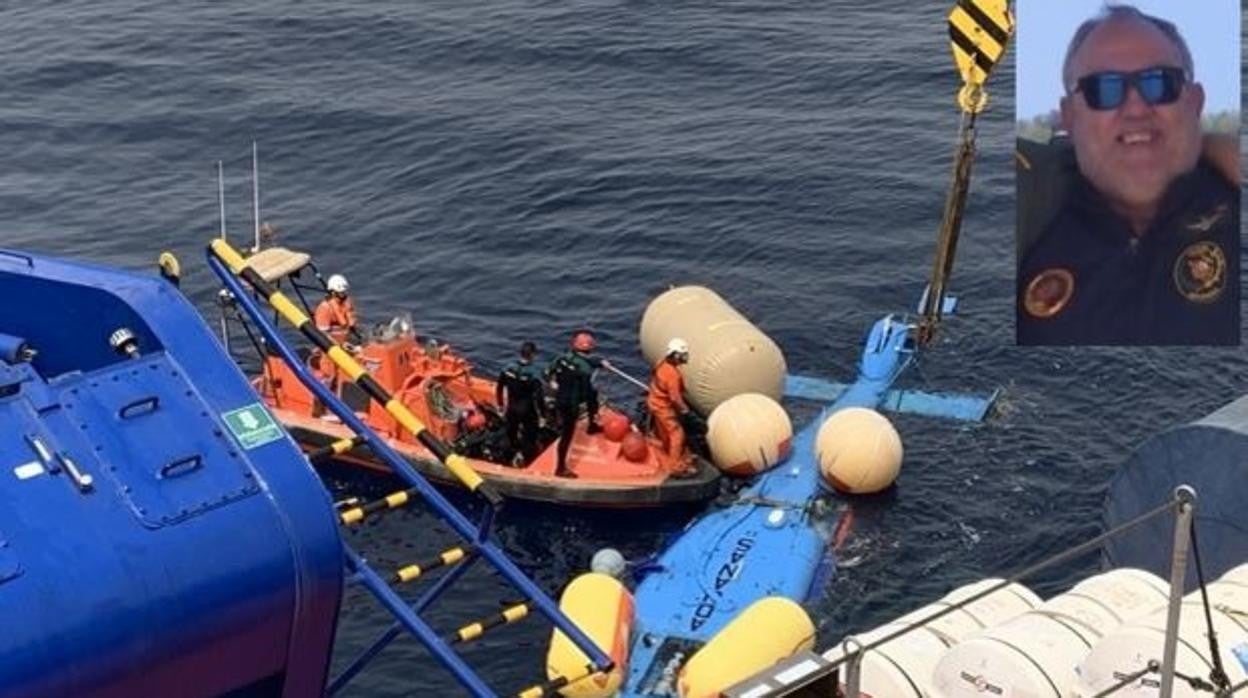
<point>901,667</point>
<point>1031,656</point>
<point>994,609</point>
<point>1129,648</point>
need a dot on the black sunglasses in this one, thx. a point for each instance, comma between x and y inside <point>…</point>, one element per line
<point>1108,89</point>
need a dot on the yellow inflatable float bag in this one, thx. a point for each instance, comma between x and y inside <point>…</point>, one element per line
<point>766,632</point>
<point>602,608</point>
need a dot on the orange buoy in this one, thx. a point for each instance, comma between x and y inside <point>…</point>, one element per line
<point>615,427</point>
<point>634,447</point>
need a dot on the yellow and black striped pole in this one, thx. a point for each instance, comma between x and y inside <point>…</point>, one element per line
<point>444,559</point>
<point>455,463</point>
<point>337,448</point>
<point>475,630</point>
<point>551,687</point>
<point>394,500</point>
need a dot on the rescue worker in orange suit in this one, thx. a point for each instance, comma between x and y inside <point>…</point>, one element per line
<point>335,316</point>
<point>572,375</point>
<point>519,392</point>
<point>666,402</point>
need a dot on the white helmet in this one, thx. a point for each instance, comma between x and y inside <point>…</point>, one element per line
<point>338,284</point>
<point>677,346</point>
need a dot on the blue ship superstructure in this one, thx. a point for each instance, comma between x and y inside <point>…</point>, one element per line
<point>161,534</point>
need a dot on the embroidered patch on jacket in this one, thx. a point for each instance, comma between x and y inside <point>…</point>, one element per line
<point>1204,223</point>
<point>1200,272</point>
<point>1048,293</point>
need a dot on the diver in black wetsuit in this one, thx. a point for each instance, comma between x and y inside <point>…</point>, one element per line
<point>572,376</point>
<point>519,391</point>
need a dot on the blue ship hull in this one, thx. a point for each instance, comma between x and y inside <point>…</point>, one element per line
<point>152,544</point>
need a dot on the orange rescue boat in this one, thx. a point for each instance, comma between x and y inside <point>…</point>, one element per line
<point>617,467</point>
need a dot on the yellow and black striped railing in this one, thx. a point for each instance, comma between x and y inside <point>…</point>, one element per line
<point>454,462</point>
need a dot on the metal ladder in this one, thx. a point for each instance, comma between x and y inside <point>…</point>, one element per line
<point>475,544</point>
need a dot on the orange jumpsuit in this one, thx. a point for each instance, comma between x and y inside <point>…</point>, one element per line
<point>666,401</point>
<point>335,317</point>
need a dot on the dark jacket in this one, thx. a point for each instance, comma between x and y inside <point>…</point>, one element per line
<point>572,373</point>
<point>522,384</point>
<point>1089,280</point>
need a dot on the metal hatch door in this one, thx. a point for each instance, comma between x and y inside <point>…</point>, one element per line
<point>158,441</point>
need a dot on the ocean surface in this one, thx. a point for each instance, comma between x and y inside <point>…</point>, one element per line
<point>511,170</point>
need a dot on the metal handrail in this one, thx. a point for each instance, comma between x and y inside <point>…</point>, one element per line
<point>1182,505</point>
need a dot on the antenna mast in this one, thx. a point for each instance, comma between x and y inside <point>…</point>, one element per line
<point>223,297</point>
<point>255,194</point>
<point>221,195</point>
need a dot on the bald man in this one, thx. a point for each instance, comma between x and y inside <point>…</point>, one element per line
<point>1145,248</point>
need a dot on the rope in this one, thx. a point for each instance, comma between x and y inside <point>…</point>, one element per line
<point>1153,667</point>
<point>635,381</point>
<point>255,342</point>
<point>440,402</point>
<point>1218,674</point>
<point>1198,684</point>
<point>771,503</point>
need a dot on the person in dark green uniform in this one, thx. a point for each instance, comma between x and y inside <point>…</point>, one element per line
<point>1145,246</point>
<point>572,376</point>
<point>519,392</point>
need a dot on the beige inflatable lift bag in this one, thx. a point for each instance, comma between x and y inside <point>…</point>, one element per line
<point>728,355</point>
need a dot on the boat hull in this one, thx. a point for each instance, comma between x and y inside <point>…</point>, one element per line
<point>635,488</point>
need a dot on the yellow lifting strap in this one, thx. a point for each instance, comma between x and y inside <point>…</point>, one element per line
<point>454,462</point>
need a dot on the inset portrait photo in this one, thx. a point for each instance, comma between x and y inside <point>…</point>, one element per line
<point>1128,173</point>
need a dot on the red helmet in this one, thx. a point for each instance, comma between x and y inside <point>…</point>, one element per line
<point>583,341</point>
<point>474,419</point>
